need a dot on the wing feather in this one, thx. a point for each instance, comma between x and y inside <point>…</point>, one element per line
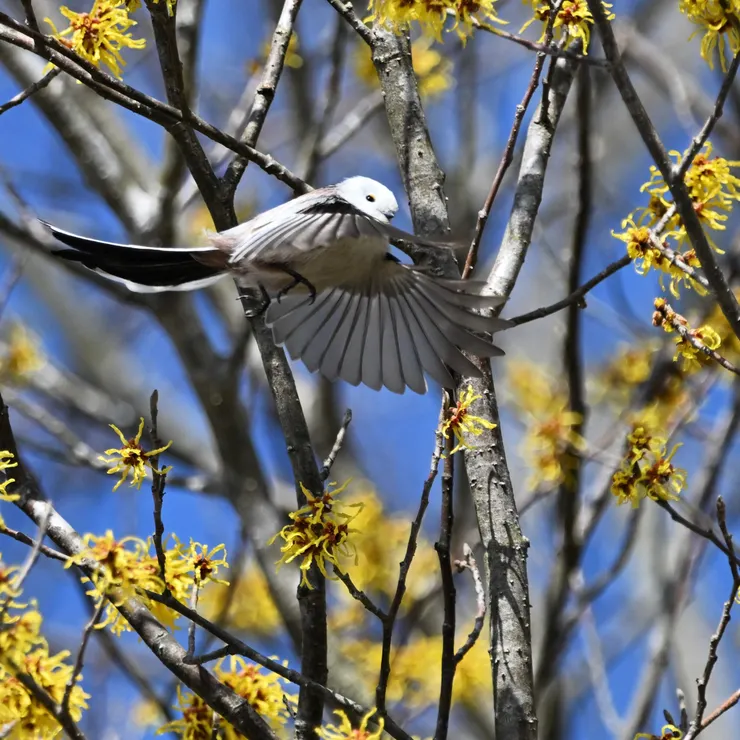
<point>372,351</point>
<point>350,367</point>
<point>393,377</point>
<point>441,344</point>
<point>313,356</point>
<point>411,363</point>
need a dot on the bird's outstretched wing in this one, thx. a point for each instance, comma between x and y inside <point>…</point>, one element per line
<point>391,330</point>
<point>319,218</point>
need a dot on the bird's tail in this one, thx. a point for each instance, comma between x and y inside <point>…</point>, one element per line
<point>144,269</point>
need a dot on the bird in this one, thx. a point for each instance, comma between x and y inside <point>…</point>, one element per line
<point>335,297</point>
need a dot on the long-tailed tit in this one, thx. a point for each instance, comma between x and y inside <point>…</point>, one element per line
<point>339,300</point>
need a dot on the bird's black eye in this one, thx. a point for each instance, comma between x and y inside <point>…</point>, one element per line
<point>371,198</point>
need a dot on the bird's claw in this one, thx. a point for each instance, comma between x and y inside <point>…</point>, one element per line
<point>298,279</point>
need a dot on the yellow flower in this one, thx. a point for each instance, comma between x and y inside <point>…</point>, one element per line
<point>691,354</point>
<point>319,533</point>
<point>719,21</point>
<point>22,356</point>
<point>24,650</point>
<point>125,568</point>
<point>132,458</point>
<point>433,71</point>
<point>345,731</point>
<point>98,36</point>
<point>431,15</point>
<point>201,562</point>
<point>196,722</point>
<point>5,458</point>
<point>415,678</point>
<point>8,582</point>
<point>551,440</point>
<point>264,692</point>
<point>628,368</point>
<point>668,732</point>
<point>647,470</point>
<point>573,21</point>
<point>381,542</point>
<point>712,187</point>
<point>250,605</point>
<point>460,421</point>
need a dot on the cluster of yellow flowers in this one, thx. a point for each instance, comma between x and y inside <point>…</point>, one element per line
<point>318,533</point>
<point>433,71</point>
<point>572,21</point>
<point>720,22</point>
<point>264,692</point>
<point>551,440</point>
<point>22,356</point>
<point>647,470</point>
<point>127,568</point>
<point>433,15</point>
<point>690,342</point>
<point>412,682</point>
<point>713,190</point>
<point>629,368</point>
<point>24,651</point>
<point>248,606</point>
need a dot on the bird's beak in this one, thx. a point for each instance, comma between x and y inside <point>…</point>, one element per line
<point>389,215</point>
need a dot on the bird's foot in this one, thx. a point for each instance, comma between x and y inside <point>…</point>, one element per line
<point>298,279</point>
<point>261,308</point>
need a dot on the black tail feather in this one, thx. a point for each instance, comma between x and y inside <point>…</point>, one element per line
<point>146,266</point>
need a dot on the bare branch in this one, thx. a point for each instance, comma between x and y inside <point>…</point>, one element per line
<point>265,92</point>
<point>329,462</point>
<point>468,563</point>
<point>30,90</point>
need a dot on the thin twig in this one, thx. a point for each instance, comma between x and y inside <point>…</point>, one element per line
<point>192,625</point>
<point>666,315</point>
<point>359,594</point>
<point>329,462</point>
<point>468,563</point>
<point>30,561</point>
<point>706,130</point>
<point>265,92</point>
<point>508,156</point>
<point>30,90</point>
<point>725,706</point>
<point>347,11</point>
<point>31,19</point>
<point>159,480</point>
<point>389,621</point>
<point>701,701</point>
<point>86,632</point>
<point>26,540</point>
<point>543,48</point>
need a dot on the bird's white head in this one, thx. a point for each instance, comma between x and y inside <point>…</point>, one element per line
<point>370,197</point>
